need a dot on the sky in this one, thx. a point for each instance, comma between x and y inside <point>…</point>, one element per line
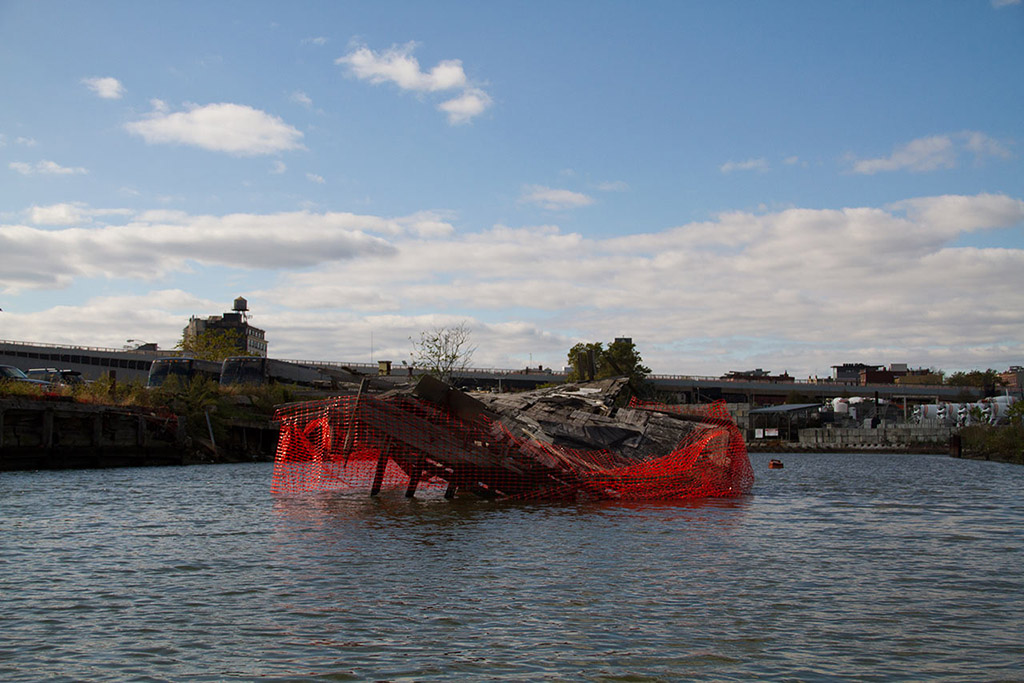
<point>733,185</point>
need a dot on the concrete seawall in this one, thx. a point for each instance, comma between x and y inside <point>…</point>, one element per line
<point>894,438</point>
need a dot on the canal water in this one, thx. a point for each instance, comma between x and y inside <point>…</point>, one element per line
<point>838,567</point>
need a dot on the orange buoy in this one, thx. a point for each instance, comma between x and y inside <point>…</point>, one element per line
<point>775,464</point>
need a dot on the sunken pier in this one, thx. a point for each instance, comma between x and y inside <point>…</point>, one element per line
<point>568,441</point>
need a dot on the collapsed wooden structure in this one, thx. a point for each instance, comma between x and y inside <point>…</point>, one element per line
<point>567,441</point>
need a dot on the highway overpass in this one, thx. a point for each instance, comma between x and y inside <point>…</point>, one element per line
<point>128,364</point>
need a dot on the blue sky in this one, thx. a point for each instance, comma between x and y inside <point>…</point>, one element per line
<point>785,185</point>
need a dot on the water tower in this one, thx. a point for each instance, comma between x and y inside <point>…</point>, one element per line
<point>241,306</point>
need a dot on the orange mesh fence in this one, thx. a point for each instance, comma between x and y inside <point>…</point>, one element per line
<point>373,444</point>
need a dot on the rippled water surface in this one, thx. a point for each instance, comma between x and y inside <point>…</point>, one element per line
<point>857,567</point>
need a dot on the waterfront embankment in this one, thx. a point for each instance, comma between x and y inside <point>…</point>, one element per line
<point>1004,443</point>
<point>58,433</point>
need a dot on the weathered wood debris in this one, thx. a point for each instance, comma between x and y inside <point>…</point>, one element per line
<point>586,417</point>
<point>557,442</point>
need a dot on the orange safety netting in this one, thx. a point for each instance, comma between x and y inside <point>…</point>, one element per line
<point>370,443</point>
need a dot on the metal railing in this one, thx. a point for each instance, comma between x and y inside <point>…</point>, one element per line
<point>95,349</point>
<point>826,382</point>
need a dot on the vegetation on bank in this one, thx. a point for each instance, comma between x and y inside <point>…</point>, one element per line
<point>1004,443</point>
<point>984,442</point>
<point>195,400</point>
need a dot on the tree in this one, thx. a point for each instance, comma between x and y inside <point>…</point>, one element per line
<point>443,350</point>
<point>620,359</point>
<point>212,344</point>
<point>976,378</point>
<point>1016,414</point>
<point>584,361</point>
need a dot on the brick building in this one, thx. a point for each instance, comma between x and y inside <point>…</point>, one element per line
<point>251,339</point>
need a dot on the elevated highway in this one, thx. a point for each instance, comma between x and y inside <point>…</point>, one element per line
<point>130,364</point>
<point>697,389</point>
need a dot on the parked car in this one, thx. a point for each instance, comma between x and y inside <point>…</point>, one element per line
<point>13,374</point>
<point>56,377</point>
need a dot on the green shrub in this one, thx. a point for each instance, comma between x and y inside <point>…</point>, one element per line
<point>1002,443</point>
<point>15,389</point>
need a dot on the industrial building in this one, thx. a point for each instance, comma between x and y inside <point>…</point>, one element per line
<point>251,340</point>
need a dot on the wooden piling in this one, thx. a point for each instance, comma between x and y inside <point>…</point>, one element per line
<point>47,417</point>
<point>956,448</point>
<point>378,475</point>
<point>414,478</point>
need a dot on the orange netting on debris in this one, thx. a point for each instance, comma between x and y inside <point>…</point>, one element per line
<point>370,443</point>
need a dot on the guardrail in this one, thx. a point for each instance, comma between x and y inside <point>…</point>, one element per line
<point>521,371</point>
<point>810,382</point>
<point>100,349</point>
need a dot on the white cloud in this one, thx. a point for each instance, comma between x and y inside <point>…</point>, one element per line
<point>154,244</point>
<point>1004,3</point>
<point>20,140</point>
<point>164,216</point>
<point>317,40</point>
<point>302,98</point>
<point>472,102</point>
<point>932,153</point>
<point>613,186</point>
<point>224,127</point>
<point>45,167</point>
<point>796,289</point>
<point>73,213</point>
<point>396,65</point>
<point>314,178</point>
<point>157,316</point>
<point>950,215</point>
<point>923,154</point>
<point>108,88</point>
<point>982,145</point>
<point>279,167</point>
<point>427,224</point>
<point>748,165</point>
<point>835,281</point>
<point>550,198</point>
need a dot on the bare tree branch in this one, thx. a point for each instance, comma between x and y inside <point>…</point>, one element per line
<point>443,350</point>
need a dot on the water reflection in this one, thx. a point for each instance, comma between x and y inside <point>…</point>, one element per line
<point>329,508</point>
<point>379,533</point>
